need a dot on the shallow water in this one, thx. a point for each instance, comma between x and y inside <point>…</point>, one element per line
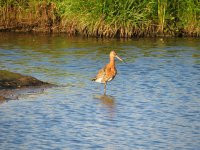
<point>153,103</point>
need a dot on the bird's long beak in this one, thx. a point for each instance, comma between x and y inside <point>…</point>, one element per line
<point>120,59</point>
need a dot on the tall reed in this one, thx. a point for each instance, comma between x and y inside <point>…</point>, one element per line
<point>104,18</point>
<point>162,4</point>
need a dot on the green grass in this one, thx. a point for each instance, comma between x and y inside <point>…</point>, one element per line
<point>107,18</point>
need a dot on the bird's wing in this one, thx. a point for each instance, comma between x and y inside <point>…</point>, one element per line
<point>110,73</point>
<point>100,75</point>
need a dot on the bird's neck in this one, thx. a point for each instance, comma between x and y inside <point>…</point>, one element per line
<point>112,60</point>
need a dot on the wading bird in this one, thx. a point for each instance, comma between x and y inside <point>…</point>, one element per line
<point>108,72</point>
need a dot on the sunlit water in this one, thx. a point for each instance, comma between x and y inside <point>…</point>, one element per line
<point>153,103</point>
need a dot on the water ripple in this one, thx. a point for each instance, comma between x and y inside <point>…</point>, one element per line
<point>153,103</point>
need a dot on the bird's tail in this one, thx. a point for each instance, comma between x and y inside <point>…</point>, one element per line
<point>93,79</point>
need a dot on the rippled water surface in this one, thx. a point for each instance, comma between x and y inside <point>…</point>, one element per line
<point>153,103</point>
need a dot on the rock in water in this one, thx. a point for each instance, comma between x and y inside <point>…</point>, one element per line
<point>10,80</point>
<point>13,85</point>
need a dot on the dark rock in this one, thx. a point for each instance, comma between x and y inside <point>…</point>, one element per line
<point>13,85</point>
<point>10,80</point>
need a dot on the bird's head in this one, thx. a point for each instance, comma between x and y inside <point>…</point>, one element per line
<point>113,54</point>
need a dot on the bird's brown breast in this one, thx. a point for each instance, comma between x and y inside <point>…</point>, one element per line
<point>110,73</point>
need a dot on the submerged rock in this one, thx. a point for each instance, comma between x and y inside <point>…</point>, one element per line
<point>13,84</point>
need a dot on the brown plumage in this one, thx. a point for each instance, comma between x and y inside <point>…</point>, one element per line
<point>108,72</point>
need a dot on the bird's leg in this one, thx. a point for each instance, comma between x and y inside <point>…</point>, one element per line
<point>105,88</point>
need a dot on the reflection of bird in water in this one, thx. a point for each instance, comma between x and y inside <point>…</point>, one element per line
<point>108,72</point>
<point>107,100</point>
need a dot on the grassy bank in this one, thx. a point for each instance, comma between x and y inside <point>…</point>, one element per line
<point>103,18</point>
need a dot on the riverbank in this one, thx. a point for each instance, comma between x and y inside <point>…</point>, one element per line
<point>103,18</point>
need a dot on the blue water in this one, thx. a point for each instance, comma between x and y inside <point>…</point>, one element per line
<point>153,103</point>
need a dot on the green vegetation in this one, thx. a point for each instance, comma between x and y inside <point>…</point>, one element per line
<point>103,18</point>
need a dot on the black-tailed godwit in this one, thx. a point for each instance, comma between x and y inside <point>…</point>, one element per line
<point>108,72</point>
